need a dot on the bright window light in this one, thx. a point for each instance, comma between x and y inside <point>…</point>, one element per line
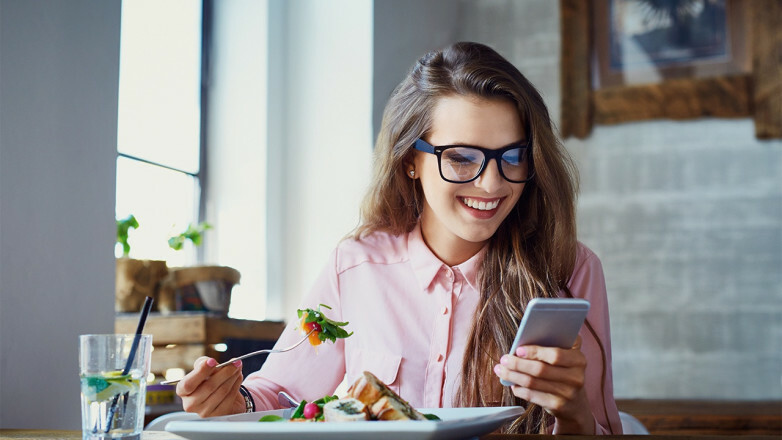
<point>159,125</point>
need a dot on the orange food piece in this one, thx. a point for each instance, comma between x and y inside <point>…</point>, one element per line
<point>314,339</point>
<point>306,327</point>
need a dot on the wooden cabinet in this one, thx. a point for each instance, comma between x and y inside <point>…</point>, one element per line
<point>180,338</point>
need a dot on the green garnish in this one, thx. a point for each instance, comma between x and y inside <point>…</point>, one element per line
<point>299,413</point>
<point>271,418</point>
<point>432,417</point>
<point>329,329</point>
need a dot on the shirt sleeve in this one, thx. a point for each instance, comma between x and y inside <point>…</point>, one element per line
<point>306,372</point>
<point>588,282</point>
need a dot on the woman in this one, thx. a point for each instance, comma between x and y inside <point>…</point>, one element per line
<point>470,215</point>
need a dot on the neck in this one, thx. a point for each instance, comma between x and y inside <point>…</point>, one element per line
<point>449,249</point>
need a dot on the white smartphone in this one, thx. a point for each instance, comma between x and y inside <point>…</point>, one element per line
<point>550,322</point>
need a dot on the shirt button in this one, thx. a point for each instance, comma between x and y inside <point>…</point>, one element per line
<point>440,358</point>
<point>445,310</point>
<point>449,274</point>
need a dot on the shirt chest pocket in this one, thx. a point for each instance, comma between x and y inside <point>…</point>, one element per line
<point>384,365</point>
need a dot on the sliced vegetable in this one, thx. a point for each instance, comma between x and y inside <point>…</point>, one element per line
<point>107,385</point>
<point>271,418</point>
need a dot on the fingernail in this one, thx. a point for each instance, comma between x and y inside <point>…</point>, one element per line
<point>504,360</point>
<point>211,362</point>
<point>497,369</point>
<point>521,352</point>
<point>238,363</point>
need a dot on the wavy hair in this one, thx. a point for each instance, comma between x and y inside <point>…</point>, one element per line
<point>533,252</point>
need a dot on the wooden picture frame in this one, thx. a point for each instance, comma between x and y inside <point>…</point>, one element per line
<point>757,94</point>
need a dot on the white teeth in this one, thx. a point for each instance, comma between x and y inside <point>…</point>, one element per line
<point>481,206</point>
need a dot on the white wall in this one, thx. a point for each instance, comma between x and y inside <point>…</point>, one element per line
<point>289,135</point>
<point>236,138</point>
<point>59,64</point>
<point>320,155</point>
<point>404,30</point>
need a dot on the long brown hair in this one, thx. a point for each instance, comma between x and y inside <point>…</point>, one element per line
<point>533,252</point>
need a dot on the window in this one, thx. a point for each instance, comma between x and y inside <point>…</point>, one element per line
<point>159,169</point>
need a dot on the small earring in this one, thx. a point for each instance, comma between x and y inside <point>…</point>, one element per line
<point>412,173</point>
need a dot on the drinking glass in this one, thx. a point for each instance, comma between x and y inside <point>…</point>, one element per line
<point>113,390</point>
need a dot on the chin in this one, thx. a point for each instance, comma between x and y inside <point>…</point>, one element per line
<point>481,236</point>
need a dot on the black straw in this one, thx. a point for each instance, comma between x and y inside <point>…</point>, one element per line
<point>139,330</point>
<point>129,363</point>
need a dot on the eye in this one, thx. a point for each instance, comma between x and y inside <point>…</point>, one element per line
<point>463,156</point>
<point>514,156</point>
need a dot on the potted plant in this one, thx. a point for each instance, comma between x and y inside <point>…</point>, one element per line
<point>196,288</point>
<point>135,279</point>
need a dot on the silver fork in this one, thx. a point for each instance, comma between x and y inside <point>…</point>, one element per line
<point>245,356</point>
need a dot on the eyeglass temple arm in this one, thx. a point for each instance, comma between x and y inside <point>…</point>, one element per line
<point>422,145</point>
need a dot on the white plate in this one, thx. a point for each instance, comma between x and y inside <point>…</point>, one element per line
<point>455,423</point>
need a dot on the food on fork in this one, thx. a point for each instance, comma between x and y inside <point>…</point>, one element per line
<point>322,328</point>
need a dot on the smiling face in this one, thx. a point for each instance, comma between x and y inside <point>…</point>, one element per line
<point>458,219</point>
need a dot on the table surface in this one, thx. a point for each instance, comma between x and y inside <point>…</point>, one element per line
<point>39,434</point>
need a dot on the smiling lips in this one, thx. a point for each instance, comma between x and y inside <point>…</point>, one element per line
<point>482,208</point>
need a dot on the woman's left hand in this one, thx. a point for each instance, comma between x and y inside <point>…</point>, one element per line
<point>552,378</point>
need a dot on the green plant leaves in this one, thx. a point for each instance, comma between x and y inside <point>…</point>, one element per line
<point>194,233</point>
<point>123,226</point>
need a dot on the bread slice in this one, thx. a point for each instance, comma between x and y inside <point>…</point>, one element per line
<point>345,410</point>
<point>393,408</point>
<point>382,401</point>
<point>366,389</point>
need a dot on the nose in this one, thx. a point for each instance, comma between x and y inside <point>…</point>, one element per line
<point>490,179</point>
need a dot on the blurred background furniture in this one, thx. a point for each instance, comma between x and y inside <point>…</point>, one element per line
<point>705,417</point>
<point>180,338</point>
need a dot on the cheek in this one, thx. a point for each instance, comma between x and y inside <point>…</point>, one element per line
<point>439,194</point>
<point>420,162</point>
<point>517,192</point>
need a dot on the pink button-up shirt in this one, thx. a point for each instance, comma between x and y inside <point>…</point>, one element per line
<point>411,315</point>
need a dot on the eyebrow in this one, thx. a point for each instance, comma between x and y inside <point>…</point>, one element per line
<point>464,144</point>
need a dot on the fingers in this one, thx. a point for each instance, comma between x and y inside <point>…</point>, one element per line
<point>555,371</point>
<point>221,400</point>
<point>553,403</point>
<point>228,404</point>
<point>211,391</point>
<point>202,369</point>
<point>554,379</point>
<point>554,356</point>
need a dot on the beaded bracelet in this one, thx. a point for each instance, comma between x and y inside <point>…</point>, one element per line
<point>249,402</point>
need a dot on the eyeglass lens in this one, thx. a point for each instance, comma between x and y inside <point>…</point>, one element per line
<point>465,163</point>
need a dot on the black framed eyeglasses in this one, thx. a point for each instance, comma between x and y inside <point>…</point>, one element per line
<point>464,163</point>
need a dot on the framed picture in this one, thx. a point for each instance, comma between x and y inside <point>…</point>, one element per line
<point>647,42</point>
<point>629,60</point>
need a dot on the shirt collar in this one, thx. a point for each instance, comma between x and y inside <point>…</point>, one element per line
<point>427,266</point>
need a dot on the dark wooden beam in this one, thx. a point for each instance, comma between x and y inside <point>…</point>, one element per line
<point>576,87</point>
<point>767,67</point>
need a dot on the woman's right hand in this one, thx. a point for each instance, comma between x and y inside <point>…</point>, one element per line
<point>210,391</point>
